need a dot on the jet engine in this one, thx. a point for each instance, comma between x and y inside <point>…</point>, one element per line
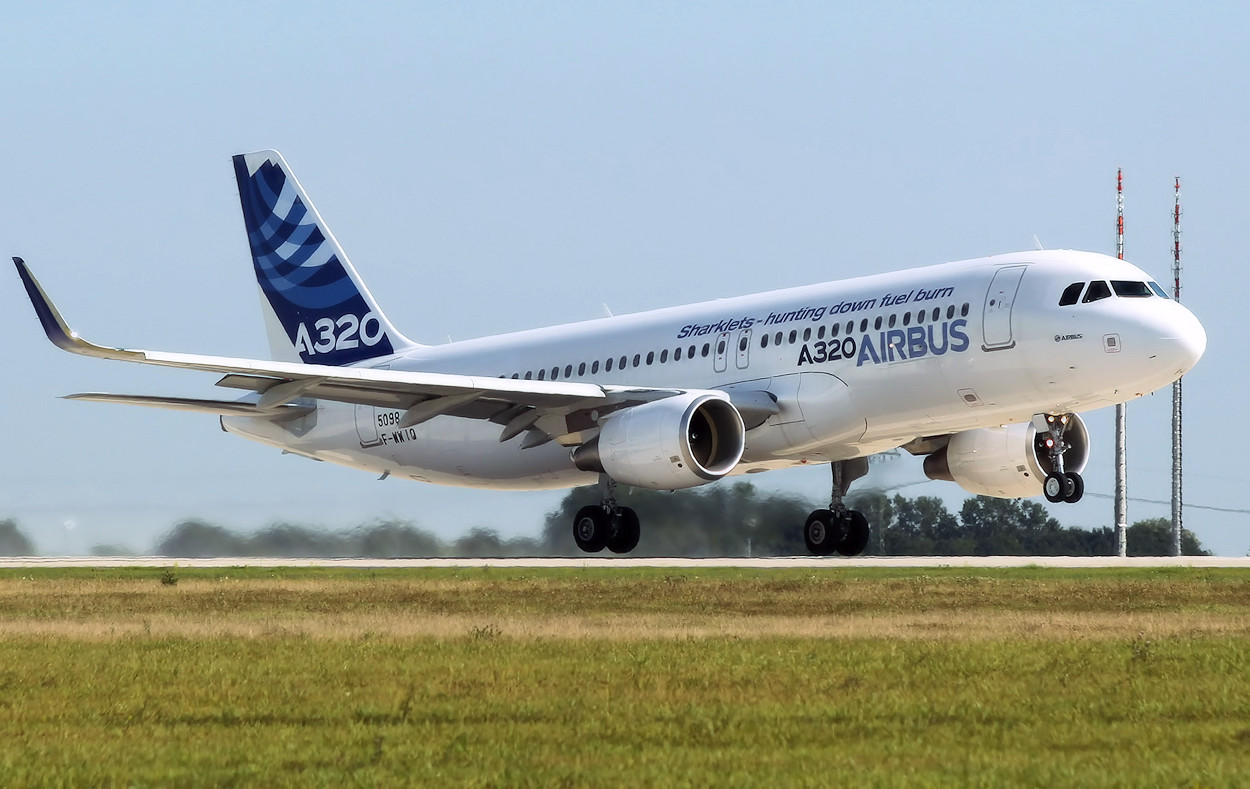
<point>678,442</point>
<point>1006,462</point>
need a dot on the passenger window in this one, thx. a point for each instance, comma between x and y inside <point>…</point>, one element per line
<point>690,352</point>
<point>863,325</point>
<point>594,367</point>
<point>568,371</point>
<point>1097,290</point>
<point>820,333</point>
<point>963,311</point>
<point>637,359</point>
<point>950,312</point>
<point>763,340</point>
<point>677,355</point>
<point>777,339</point>
<point>650,357</point>
<point>720,347</point>
<point>706,349</point>
<point>833,330</point>
<point>555,373</point>
<point>742,344</point>
<point>1071,294</point>
<point>608,366</point>
<point>794,335</point>
<point>529,375</point>
<point>542,375</point>
<point>664,356</point>
<point>1130,290</point>
<point>893,320</point>
<point>623,363</point>
<point>850,327</point>
<point>581,369</point>
<point>807,334</point>
<point>906,318</point>
<point>877,323</point>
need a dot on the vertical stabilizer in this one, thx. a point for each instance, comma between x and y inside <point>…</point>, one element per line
<point>317,308</point>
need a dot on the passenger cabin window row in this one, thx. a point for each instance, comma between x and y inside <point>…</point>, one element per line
<point>918,317</point>
<point>1099,290</point>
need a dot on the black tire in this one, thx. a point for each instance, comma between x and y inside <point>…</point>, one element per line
<point>822,533</point>
<point>1054,487</point>
<point>628,530</point>
<point>856,539</point>
<point>1078,487</point>
<point>590,528</point>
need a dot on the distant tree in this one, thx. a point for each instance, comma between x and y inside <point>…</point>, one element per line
<point>12,541</point>
<point>111,549</point>
<point>1153,537</point>
<point>395,540</point>
<point>198,539</point>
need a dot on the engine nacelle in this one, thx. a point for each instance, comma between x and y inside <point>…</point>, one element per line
<point>678,442</point>
<point>1006,462</point>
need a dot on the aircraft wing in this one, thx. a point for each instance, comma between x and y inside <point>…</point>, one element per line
<point>562,410</point>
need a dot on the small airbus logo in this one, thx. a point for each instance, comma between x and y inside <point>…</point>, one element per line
<point>1066,337</point>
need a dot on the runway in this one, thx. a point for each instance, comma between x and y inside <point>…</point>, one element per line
<point>788,562</point>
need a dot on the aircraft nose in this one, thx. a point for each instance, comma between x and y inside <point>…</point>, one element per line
<point>1184,338</point>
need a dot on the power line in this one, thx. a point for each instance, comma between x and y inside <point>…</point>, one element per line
<point>1187,505</point>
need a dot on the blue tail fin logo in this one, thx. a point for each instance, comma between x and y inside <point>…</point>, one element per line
<point>326,313</point>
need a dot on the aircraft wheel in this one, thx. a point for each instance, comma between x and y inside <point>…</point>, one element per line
<point>590,528</point>
<point>856,539</point>
<point>628,530</point>
<point>1055,487</point>
<point>1077,487</point>
<point>822,533</point>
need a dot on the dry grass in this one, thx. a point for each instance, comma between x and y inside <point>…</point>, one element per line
<point>625,678</point>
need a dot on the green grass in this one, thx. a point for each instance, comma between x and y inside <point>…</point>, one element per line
<point>488,677</point>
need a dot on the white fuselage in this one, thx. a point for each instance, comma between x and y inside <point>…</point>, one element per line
<point>856,366</point>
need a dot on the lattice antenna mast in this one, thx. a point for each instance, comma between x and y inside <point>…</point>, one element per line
<point>1177,443</point>
<point>1121,411</point>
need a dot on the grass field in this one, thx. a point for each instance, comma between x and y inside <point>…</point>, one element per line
<point>625,677</point>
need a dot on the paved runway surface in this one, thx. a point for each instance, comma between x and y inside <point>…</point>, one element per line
<point>777,562</point>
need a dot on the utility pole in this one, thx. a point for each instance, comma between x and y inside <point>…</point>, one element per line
<point>1121,420</point>
<point>1177,493</point>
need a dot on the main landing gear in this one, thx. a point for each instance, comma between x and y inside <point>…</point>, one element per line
<point>1059,485</point>
<point>837,528</point>
<point>607,525</point>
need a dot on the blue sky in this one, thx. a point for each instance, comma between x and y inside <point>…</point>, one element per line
<point>492,167</point>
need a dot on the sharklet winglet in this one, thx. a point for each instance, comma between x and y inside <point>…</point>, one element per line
<point>55,327</point>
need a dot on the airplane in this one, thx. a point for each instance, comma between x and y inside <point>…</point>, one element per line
<point>979,366</point>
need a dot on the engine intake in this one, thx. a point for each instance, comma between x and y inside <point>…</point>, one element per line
<point>678,442</point>
<point>1006,462</point>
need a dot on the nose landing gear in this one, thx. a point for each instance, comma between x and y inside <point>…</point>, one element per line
<point>1059,485</point>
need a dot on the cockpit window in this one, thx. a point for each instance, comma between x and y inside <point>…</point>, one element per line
<point>1071,294</point>
<point>1097,290</point>
<point>1129,289</point>
<point>1158,290</point>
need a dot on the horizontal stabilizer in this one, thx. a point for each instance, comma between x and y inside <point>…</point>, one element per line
<point>220,407</point>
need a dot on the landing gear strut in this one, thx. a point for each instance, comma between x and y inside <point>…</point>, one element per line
<point>606,525</point>
<point>1059,485</point>
<point>837,528</point>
